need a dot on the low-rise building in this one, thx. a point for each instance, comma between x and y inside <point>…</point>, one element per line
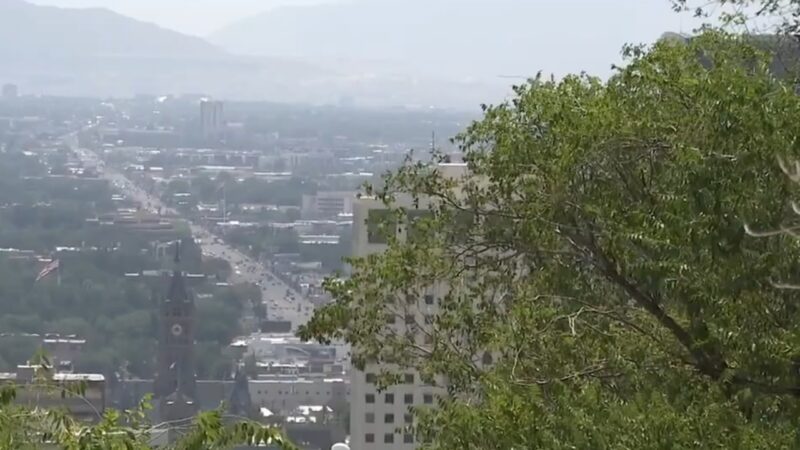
<point>83,395</point>
<point>328,204</point>
<point>63,349</point>
<point>282,395</point>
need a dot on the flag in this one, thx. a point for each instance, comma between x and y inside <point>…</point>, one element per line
<point>51,267</point>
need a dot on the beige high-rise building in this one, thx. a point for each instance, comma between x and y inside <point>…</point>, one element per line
<point>378,419</point>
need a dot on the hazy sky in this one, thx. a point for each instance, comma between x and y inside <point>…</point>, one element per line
<point>201,17</point>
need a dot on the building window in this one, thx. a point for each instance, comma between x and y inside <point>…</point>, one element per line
<point>369,438</point>
<point>429,319</point>
<point>390,318</point>
<point>429,299</point>
<point>464,220</point>
<point>369,398</point>
<point>408,399</point>
<point>410,319</point>
<point>426,398</point>
<point>369,418</point>
<point>408,419</point>
<point>408,378</point>
<point>380,224</point>
<point>417,223</point>
<point>389,399</point>
<point>371,377</point>
<point>408,438</point>
<point>388,438</point>
<point>388,418</point>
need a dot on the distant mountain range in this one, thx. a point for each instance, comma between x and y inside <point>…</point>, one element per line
<point>453,39</point>
<point>99,53</point>
<point>32,31</point>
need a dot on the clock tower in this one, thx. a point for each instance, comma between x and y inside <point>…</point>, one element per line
<point>176,359</point>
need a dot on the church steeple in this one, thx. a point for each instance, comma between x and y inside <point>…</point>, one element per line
<point>176,359</point>
<point>177,287</point>
<point>177,254</point>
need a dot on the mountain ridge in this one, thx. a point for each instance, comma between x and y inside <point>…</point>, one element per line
<point>50,30</point>
<point>456,39</point>
<point>99,53</point>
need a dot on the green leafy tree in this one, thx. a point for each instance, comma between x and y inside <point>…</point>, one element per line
<point>25,428</point>
<point>748,15</point>
<point>600,290</point>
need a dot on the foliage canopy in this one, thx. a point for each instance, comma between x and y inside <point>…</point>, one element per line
<point>601,289</point>
<point>22,427</point>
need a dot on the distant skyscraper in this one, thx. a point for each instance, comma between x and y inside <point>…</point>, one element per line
<point>10,91</point>
<point>212,119</point>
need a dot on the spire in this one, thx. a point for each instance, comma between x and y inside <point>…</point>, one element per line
<point>177,254</point>
<point>177,288</point>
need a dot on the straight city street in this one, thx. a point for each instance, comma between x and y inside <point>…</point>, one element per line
<point>282,301</point>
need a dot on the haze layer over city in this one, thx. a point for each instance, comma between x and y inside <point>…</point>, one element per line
<point>399,224</point>
<point>418,53</point>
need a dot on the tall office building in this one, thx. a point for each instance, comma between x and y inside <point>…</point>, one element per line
<point>378,419</point>
<point>10,91</point>
<point>212,119</point>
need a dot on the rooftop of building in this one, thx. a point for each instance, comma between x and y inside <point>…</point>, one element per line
<point>58,377</point>
<point>64,341</point>
<point>297,380</point>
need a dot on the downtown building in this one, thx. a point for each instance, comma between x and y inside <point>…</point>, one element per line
<point>381,419</point>
<point>212,119</point>
<point>81,395</point>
